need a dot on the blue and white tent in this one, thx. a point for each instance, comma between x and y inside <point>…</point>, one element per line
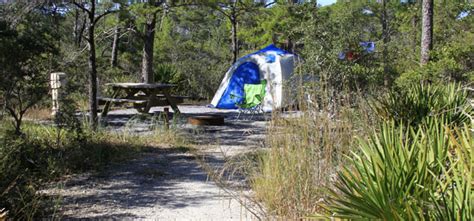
<point>271,64</point>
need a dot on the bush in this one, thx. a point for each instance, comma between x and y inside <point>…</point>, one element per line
<point>23,79</point>
<point>450,62</point>
<point>419,103</point>
<point>408,173</point>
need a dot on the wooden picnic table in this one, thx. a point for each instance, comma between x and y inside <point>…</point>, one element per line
<point>142,95</point>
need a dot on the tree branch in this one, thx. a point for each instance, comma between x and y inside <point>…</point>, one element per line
<point>269,4</point>
<point>12,113</point>
<point>81,7</point>
<point>219,9</point>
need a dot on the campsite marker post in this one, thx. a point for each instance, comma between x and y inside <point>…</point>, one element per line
<point>58,81</point>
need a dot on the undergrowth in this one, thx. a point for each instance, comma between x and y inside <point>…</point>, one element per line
<point>305,152</point>
<point>418,165</point>
<point>404,156</point>
<point>45,153</point>
<point>408,173</point>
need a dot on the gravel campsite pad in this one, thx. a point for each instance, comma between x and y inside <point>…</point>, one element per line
<point>166,183</point>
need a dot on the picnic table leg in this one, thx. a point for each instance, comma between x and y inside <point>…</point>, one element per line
<point>148,106</point>
<point>171,101</point>
<point>108,103</point>
<point>151,100</point>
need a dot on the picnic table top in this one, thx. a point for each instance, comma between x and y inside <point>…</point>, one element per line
<point>141,85</point>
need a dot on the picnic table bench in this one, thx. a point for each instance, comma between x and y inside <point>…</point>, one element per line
<point>143,96</point>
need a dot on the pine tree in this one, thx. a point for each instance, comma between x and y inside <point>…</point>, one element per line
<point>426,31</point>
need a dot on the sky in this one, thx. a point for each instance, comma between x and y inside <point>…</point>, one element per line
<point>326,2</point>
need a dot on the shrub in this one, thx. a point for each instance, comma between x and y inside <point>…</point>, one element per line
<point>451,61</point>
<point>408,173</point>
<point>23,82</point>
<point>414,105</point>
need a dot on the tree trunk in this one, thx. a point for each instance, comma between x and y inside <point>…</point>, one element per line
<point>90,13</point>
<point>92,69</point>
<point>426,31</point>
<point>235,43</point>
<point>81,31</point>
<point>18,121</point>
<point>75,34</point>
<point>18,127</point>
<point>385,39</point>
<point>114,59</point>
<point>147,58</point>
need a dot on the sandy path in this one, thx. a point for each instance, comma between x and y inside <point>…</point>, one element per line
<point>164,184</point>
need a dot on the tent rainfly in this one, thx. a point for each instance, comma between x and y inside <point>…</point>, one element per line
<point>271,64</point>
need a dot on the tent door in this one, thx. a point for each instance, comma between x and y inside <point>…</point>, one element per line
<point>246,73</point>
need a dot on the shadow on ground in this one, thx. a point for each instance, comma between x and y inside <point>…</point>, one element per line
<point>154,180</point>
<point>162,183</point>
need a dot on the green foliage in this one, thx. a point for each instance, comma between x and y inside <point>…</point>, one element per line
<point>192,51</point>
<point>451,62</point>
<point>167,74</point>
<point>270,25</point>
<point>453,38</point>
<point>454,199</point>
<point>408,174</point>
<point>419,103</point>
<point>25,52</point>
<point>340,28</point>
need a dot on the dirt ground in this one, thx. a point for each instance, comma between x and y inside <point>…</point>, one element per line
<point>166,183</point>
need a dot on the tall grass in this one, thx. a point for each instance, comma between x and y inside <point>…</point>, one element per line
<point>305,152</point>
